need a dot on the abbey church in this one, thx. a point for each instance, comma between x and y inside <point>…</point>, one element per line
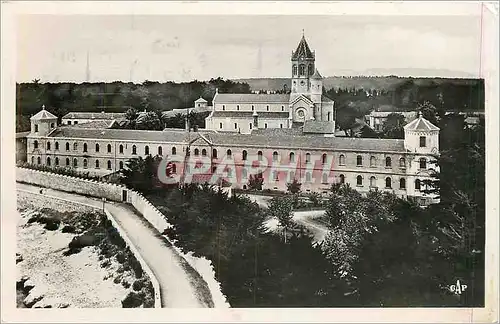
<point>305,106</point>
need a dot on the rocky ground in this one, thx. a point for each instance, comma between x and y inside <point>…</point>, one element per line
<point>76,259</point>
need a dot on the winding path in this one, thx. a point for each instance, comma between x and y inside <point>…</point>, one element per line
<point>180,285</point>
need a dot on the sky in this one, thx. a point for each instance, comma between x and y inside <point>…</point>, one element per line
<point>56,48</point>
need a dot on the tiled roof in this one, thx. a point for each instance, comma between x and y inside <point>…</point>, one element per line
<point>251,98</point>
<point>94,115</point>
<point>98,124</point>
<point>238,140</point>
<point>326,99</point>
<point>249,114</point>
<point>43,114</point>
<point>421,124</point>
<point>22,134</point>
<point>316,75</point>
<point>319,127</point>
<point>387,113</point>
<point>302,50</point>
<point>278,131</point>
<point>183,111</point>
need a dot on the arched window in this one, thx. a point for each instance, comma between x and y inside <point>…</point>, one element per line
<point>85,163</point>
<point>259,155</point>
<point>402,183</point>
<point>323,158</point>
<point>75,146</point>
<point>294,69</point>
<point>85,147</point>
<point>373,161</point>
<point>75,163</point>
<point>388,182</point>
<point>325,178</point>
<point>214,153</point>
<point>134,149</point>
<point>97,164</point>
<point>48,161</point>
<point>67,146</point>
<point>56,146</point>
<point>229,154</point>
<point>204,152</point>
<point>48,146</point>
<point>342,179</point>
<point>359,160</point>
<point>146,150</point>
<point>402,163</point>
<point>109,148</point>
<point>302,69</point>
<point>311,69</point>
<point>308,157</point>
<point>38,160</point>
<point>373,182</point>
<point>359,180</point>
<point>417,184</point>
<point>121,165</point>
<point>174,150</point>
<point>109,165</point>
<point>341,159</point>
<point>388,162</point>
<point>196,152</point>
<point>32,160</point>
<point>423,163</point>
<point>67,161</point>
<point>160,150</point>
<point>120,148</point>
<point>275,156</point>
<point>35,144</point>
<point>244,155</point>
<point>97,147</point>
<point>292,157</point>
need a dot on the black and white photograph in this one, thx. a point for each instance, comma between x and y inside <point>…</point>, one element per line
<point>253,157</point>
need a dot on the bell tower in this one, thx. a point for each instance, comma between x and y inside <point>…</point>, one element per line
<point>303,61</point>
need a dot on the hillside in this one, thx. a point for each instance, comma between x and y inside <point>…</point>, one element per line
<point>359,82</point>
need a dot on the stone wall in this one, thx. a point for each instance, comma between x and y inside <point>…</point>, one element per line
<point>70,184</point>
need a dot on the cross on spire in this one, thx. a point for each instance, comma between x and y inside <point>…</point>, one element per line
<point>302,32</point>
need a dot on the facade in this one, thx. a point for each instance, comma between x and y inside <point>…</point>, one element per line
<point>317,161</point>
<point>243,113</point>
<point>376,119</point>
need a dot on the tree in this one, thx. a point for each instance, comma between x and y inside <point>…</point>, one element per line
<point>393,126</point>
<point>255,182</point>
<point>281,208</point>
<point>428,111</point>
<point>294,186</point>
<point>148,121</point>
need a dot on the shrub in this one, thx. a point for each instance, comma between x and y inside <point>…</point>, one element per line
<point>68,229</point>
<point>33,219</point>
<point>51,225</point>
<point>120,257</point>
<point>138,285</point>
<point>117,279</point>
<point>132,300</point>
<point>125,283</point>
<point>83,241</point>
<point>120,269</point>
<point>105,264</point>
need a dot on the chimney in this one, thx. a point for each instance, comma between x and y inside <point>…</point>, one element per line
<point>255,120</point>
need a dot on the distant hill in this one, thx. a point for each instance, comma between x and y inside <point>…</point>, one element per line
<point>358,82</point>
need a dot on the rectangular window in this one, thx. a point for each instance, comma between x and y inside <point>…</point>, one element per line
<point>265,125</point>
<point>69,122</point>
<point>281,125</point>
<point>36,128</point>
<point>250,125</point>
<point>235,125</point>
<point>422,141</point>
<point>76,122</point>
<point>220,125</point>
<point>223,107</point>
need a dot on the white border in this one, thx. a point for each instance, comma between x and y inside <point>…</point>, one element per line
<point>489,71</point>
